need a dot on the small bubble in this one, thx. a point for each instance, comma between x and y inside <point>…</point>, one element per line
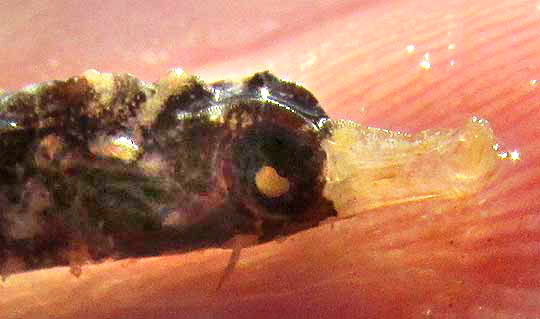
<point>425,65</point>
<point>410,48</point>
<point>514,155</point>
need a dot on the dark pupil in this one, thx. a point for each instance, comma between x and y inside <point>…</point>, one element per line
<point>292,155</point>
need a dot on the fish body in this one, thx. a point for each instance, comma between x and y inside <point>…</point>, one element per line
<point>105,165</point>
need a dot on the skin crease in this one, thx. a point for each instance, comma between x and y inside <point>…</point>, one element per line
<point>481,261</point>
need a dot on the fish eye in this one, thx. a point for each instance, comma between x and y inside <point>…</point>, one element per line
<point>275,164</point>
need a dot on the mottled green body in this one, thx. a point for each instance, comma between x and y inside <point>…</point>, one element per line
<point>109,166</point>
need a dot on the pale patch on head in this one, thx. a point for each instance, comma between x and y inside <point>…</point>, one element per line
<point>122,147</point>
<point>176,82</point>
<point>102,83</point>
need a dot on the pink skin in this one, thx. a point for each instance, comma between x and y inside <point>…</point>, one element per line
<point>483,262</point>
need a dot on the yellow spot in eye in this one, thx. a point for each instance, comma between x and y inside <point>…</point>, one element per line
<point>121,147</point>
<point>269,183</point>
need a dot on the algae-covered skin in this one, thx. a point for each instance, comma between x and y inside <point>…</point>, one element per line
<point>105,165</point>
